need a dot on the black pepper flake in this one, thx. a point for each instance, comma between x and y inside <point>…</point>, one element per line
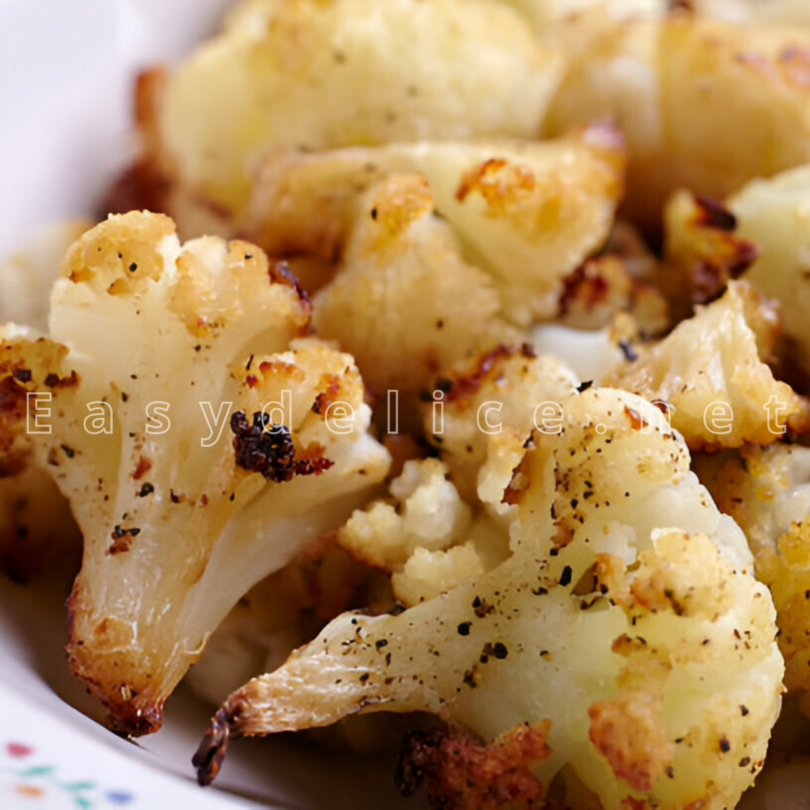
<point>500,651</point>
<point>374,213</point>
<point>146,489</point>
<point>133,267</point>
<point>469,679</point>
<point>584,386</point>
<point>22,375</point>
<point>725,745</point>
<point>68,451</point>
<point>248,257</point>
<point>464,628</point>
<point>233,497</point>
<point>745,762</point>
<point>124,397</point>
<point>670,772</point>
<point>744,711</point>
<point>383,642</point>
<point>565,579</point>
<point>540,591</point>
<point>364,677</point>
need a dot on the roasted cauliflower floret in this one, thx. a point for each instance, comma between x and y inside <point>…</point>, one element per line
<point>304,73</point>
<point>282,612</point>
<point>651,76</point>
<point>541,13</point>
<point>711,370</point>
<point>784,12</point>
<point>404,301</point>
<point>156,351</point>
<point>702,248</point>
<point>424,534</point>
<point>484,411</point>
<point>767,491</point>
<point>626,628</point>
<point>774,215</point>
<point>527,213</point>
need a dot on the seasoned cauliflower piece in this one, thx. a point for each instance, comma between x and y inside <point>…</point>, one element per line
<point>306,73</point>
<point>425,535</point>
<point>428,513</point>
<point>485,412</point>
<point>404,302</point>
<point>711,370</point>
<point>282,612</point>
<point>703,248</point>
<point>37,530</point>
<point>767,491</point>
<point>528,213</point>
<point>652,76</point>
<point>625,628</point>
<point>775,214</point>
<point>156,351</point>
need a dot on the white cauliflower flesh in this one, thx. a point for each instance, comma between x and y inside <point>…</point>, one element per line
<point>703,249</point>
<point>624,642</point>
<point>651,76</point>
<point>711,370</point>
<point>543,12</point>
<point>527,213</point>
<point>484,411</point>
<point>767,491</point>
<point>151,345</point>
<point>404,302</point>
<point>783,12</point>
<point>306,73</point>
<point>775,214</point>
<point>424,534</point>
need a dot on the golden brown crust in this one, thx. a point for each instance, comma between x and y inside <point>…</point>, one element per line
<point>461,774</point>
<point>628,732</point>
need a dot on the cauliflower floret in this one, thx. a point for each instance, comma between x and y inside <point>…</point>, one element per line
<point>282,612</point>
<point>485,412</point>
<point>590,355</point>
<point>404,302</point>
<point>155,349</point>
<point>37,530</point>
<point>650,76</point>
<point>787,12</point>
<point>543,12</point>
<point>703,248</point>
<point>428,513</point>
<point>425,535</point>
<point>767,491</point>
<point>774,214</point>
<point>305,73</point>
<point>528,213</point>
<point>624,628</point>
<point>711,372</point>
<point>601,288</point>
